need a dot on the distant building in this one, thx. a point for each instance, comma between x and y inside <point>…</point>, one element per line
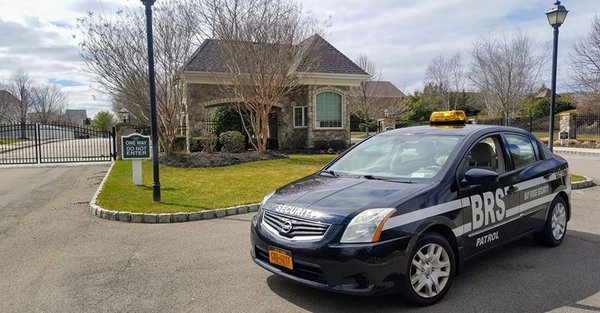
<point>77,117</point>
<point>6,101</point>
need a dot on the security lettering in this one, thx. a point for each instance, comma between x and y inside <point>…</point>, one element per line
<point>536,192</point>
<point>487,239</point>
<point>488,208</point>
<point>296,211</point>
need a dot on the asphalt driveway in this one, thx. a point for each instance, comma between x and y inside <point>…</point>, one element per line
<point>56,257</point>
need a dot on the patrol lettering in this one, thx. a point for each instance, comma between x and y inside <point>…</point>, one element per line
<point>488,208</point>
<point>487,239</point>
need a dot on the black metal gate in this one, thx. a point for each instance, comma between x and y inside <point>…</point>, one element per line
<point>55,143</point>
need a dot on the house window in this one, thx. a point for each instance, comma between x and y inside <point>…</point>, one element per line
<point>300,117</point>
<point>329,110</point>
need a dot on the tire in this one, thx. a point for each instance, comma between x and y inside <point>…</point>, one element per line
<point>555,229</point>
<point>425,268</point>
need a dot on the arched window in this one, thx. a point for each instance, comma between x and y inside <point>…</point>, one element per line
<point>329,110</point>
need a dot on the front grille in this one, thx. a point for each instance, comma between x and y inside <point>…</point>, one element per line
<point>301,269</point>
<point>300,227</point>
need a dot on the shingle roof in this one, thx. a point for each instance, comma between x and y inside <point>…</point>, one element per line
<point>7,96</point>
<point>321,57</point>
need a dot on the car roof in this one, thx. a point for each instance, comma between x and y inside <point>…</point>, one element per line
<point>468,129</point>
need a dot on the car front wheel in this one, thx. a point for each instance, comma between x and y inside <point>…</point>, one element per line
<point>430,271</point>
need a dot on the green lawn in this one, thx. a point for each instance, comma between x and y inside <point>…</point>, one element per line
<point>187,190</point>
<point>580,137</point>
<point>7,141</point>
<point>576,178</point>
<point>361,135</point>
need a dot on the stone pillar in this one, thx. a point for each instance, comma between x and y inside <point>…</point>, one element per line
<point>567,124</point>
<point>122,130</point>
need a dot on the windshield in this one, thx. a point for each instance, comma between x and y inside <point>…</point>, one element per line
<point>397,157</point>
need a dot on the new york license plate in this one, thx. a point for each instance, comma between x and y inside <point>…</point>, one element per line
<point>281,258</point>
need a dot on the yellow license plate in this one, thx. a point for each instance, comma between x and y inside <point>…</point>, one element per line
<point>281,258</point>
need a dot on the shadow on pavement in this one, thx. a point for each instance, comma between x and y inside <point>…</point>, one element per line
<point>521,277</point>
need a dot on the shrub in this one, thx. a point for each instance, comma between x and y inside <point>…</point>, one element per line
<point>330,144</point>
<point>179,143</point>
<point>296,140</point>
<point>232,141</point>
<point>208,142</point>
<point>541,108</point>
<point>226,119</point>
<point>195,145</point>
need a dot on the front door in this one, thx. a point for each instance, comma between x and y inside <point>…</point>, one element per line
<point>491,208</point>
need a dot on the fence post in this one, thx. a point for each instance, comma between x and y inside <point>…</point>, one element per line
<point>114,142</point>
<point>38,143</point>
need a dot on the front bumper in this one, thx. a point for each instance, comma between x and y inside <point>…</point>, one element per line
<point>361,269</point>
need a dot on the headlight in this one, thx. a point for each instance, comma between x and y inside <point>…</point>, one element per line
<point>266,198</point>
<point>366,226</point>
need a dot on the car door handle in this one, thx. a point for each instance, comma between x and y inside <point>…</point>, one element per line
<point>547,176</point>
<point>511,190</point>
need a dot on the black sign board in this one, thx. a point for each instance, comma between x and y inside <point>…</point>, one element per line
<point>135,146</point>
<point>563,135</point>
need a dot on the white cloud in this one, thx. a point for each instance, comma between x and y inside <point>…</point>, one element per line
<point>401,37</point>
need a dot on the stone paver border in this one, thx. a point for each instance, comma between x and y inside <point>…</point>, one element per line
<point>588,182</point>
<point>178,217</point>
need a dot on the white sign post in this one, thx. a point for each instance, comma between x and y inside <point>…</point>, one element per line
<point>136,147</point>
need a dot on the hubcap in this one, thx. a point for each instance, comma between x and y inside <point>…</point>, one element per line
<point>559,221</point>
<point>430,270</point>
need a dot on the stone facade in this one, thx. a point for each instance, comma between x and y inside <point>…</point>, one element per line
<point>201,98</point>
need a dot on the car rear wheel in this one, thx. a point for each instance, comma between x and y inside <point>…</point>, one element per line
<point>556,224</point>
<point>430,271</point>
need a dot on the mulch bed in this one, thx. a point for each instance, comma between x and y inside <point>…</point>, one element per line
<point>201,159</point>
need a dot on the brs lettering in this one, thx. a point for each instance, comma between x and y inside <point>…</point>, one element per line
<point>488,208</point>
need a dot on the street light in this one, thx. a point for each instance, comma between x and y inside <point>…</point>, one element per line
<point>124,115</point>
<point>151,79</point>
<point>556,16</point>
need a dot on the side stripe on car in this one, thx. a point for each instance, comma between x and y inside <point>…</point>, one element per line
<point>511,213</point>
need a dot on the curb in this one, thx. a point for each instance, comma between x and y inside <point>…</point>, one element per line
<point>593,152</point>
<point>178,217</point>
<point>587,183</point>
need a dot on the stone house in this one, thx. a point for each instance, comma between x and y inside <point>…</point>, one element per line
<point>314,116</point>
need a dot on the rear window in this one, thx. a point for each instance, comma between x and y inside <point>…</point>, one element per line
<point>521,150</point>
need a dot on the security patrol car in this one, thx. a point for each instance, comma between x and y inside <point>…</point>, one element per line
<point>402,210</point>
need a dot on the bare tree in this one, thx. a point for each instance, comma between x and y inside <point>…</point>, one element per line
<point>48,103</point>
<point>113,48</point>
<point>585,67</point>
<point>265,52</point>
<point>362,101</point>
<point>505,70</point>
<point>20,85</point>
<point>448,77</point>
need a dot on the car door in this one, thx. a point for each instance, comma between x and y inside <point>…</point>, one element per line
<point>486,213</point>
<point>534,187</point>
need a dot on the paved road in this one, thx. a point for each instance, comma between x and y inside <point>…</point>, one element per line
<point>56,257</point>
<point>584,165</point>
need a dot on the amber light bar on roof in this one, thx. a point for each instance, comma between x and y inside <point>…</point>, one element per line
<point>453,117</point>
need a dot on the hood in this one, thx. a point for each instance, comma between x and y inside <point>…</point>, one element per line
<point>333,200</point>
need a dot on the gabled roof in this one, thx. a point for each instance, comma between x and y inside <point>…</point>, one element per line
<point>321,57</point>
<point>380,89</point>
<point>547,93</point>
<point>6,96</point>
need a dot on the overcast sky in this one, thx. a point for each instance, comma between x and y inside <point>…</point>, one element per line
<point>400,37</point>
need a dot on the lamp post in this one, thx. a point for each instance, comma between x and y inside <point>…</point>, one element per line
<point>154,123</point>
<point>124,115</point>
<point>556,16</point>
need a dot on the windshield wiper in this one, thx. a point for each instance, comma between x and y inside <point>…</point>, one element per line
<point>394,180</point>
<point>330,172</point>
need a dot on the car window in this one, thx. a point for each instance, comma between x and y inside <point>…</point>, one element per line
<point>521,150</point>
<point>486,154</point>
<point>398,156</point>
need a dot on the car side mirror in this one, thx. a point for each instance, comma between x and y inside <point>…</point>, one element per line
<point>479,176</point>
